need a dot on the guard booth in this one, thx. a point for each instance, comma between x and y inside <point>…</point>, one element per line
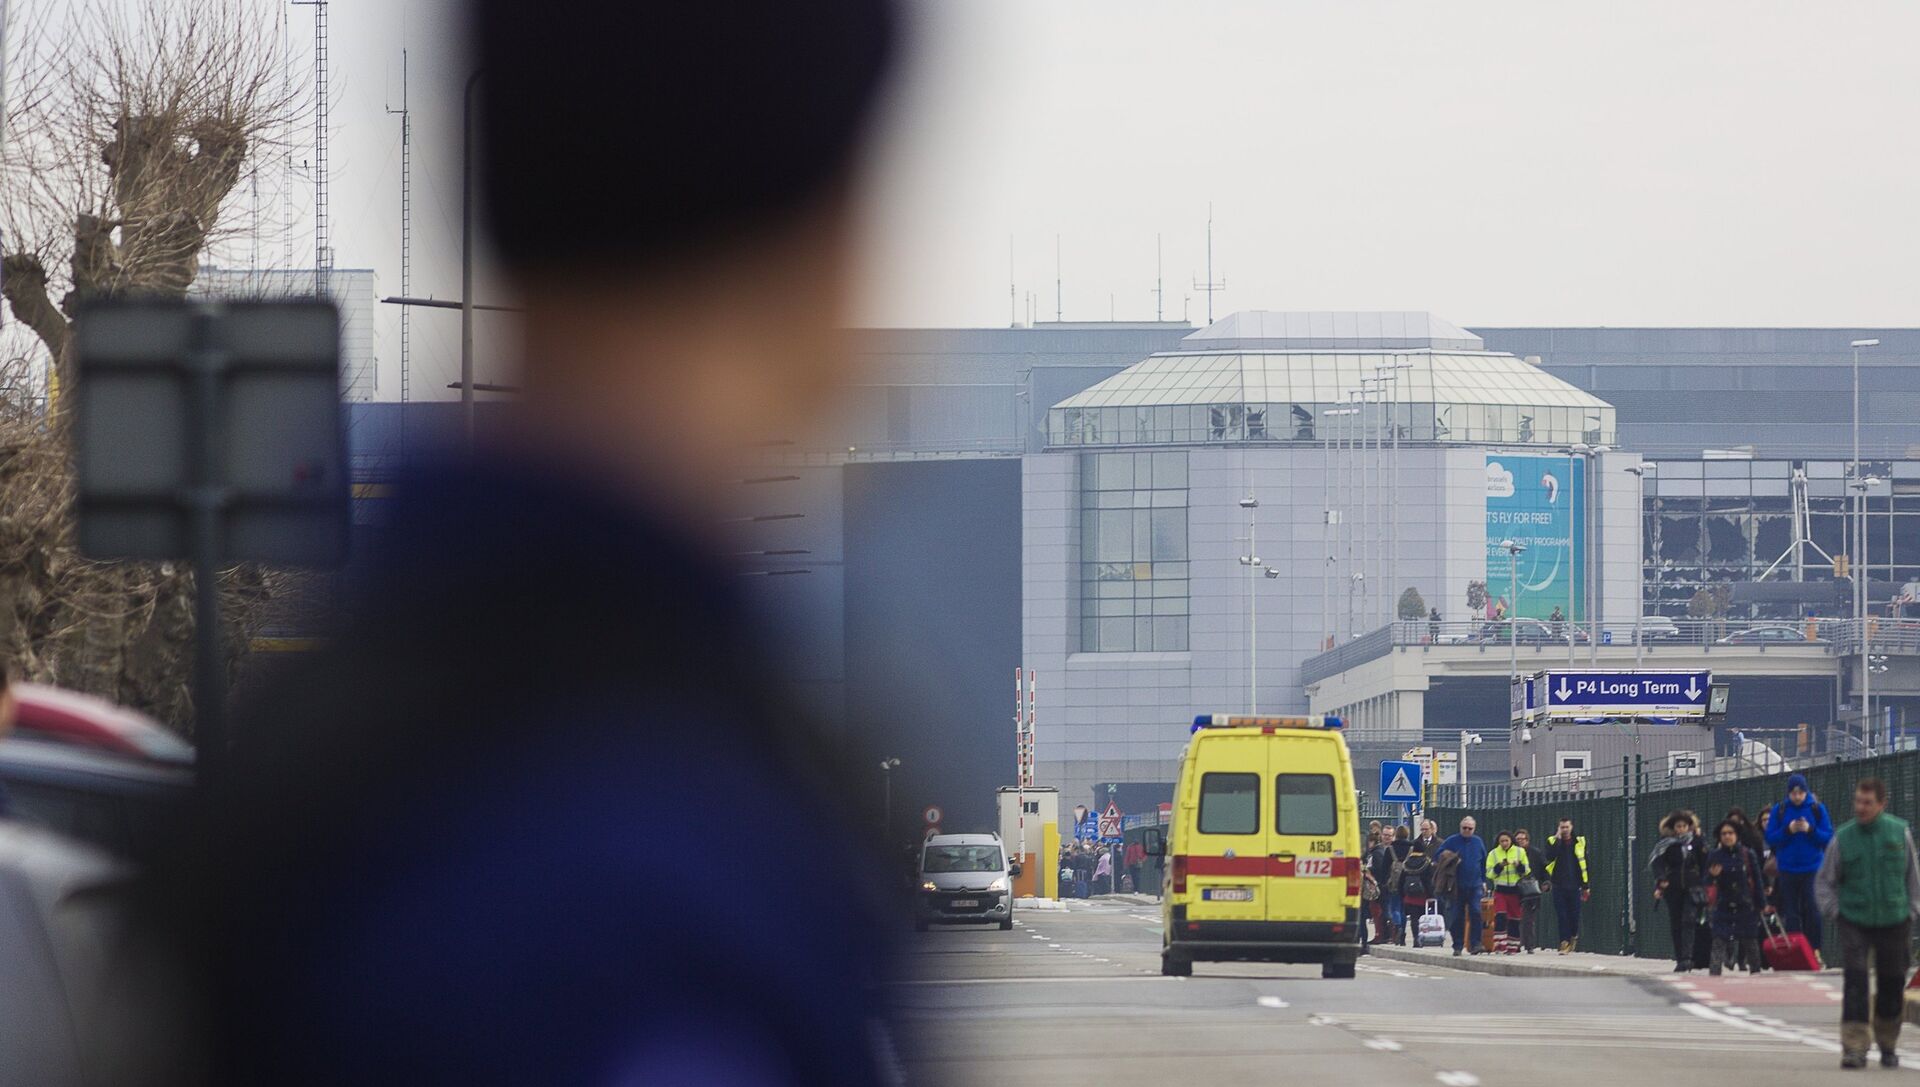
<point>1034,841</point>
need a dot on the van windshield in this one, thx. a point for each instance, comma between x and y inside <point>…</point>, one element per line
<point>961,858</point>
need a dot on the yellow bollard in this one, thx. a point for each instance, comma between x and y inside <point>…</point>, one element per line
<point>1049,861</point>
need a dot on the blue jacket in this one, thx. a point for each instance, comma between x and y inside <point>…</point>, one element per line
<point>1473,859</point>
<point>1800,852</point>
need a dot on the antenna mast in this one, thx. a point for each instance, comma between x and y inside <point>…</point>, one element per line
<point>322,251</point>
<point>1159,284</point>
<point>406,250</point>
<point>1013,296</point>
<point>1210,286</point>
<point>1056,279</point>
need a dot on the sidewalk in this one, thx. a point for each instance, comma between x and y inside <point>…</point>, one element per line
<point>1546,963</point>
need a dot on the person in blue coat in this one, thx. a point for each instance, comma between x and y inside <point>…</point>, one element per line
<point>1463,909</point>
<point>491,833</point>
<point>1798,829</point>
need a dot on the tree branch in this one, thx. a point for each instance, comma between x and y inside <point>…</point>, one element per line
<point>23,281</point>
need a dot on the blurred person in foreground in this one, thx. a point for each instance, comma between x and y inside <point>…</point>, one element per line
<point>492,835</point>
<point>1869,887</point>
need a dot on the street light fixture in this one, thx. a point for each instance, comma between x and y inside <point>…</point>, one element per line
<point>1251,560</point>
<point>1467,739</point>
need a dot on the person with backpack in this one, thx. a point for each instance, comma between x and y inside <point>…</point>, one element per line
<point>1532,889</point>
<point>1799,829</point>
<point>1680,881</point>
<point>1566,875</point>
<point>1379,865</point>
<point>1412,883</point>
<point>1869,887</point>
<point>1733,873</point>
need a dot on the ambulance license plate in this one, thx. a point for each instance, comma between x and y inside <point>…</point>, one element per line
<point>1227,894</point>
<point>963,903</point>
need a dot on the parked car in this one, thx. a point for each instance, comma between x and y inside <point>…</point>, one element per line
<point>60,1015</point>
<point>1770,634</point>
<point>123,805</point>
<point>1658,628</point>
<point>69,717</point>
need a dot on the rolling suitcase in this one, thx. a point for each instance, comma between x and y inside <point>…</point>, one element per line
<point>1490,922</point>
<point>1431,929</point>
<point>1786,950</point>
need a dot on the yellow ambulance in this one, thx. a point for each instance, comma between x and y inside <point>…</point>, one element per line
<point>1264,861</point>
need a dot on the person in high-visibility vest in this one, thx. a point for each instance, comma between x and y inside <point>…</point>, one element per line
<point>1506,867</point>
<point>1566,873</point>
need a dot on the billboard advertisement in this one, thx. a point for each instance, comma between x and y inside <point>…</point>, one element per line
<point>1539,502</point>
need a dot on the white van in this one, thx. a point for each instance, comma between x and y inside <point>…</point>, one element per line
<point>964,879</point>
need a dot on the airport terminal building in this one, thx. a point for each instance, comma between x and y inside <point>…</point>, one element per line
<point>1067,499</point>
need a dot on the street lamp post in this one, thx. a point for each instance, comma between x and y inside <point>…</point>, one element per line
<point>887,767</point>
<point>1335,517</point>
<point>1859,563</point>
<point>1466,739</point>
<point>1574,452</point>
<point>1589,564</point>
<point>1251,560</point>
<point>1513,549</point>
<point>1640,512</point>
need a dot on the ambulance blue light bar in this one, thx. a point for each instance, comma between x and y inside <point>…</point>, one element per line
<point>1245,720</point>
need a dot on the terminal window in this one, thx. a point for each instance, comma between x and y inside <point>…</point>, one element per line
<point>1133,552</point>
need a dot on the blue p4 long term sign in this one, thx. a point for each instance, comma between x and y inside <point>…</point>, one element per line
<point>1673,693</point>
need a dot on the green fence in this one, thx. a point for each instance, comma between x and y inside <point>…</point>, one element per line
<point>1606,926</point>
<point>1603,822</point>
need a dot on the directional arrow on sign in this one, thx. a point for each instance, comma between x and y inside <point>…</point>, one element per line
<point>1693,689</point>
<point>1565,692</point>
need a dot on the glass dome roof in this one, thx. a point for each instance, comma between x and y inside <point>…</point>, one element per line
<point>1360,371</point>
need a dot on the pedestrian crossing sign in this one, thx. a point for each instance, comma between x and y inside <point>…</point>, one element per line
<point>1400,782</point>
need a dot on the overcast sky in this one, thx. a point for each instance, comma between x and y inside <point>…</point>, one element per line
<point>1713,163</point>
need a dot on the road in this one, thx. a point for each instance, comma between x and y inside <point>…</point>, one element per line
<point>1075,997</point>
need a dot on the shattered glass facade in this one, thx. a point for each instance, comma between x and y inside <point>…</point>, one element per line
<point>1714,522</point>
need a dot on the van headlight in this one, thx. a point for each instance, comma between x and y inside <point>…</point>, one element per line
<point>929,885</point>
<point>998,884</point>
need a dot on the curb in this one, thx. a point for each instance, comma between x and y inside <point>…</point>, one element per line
<point>1505,965</point>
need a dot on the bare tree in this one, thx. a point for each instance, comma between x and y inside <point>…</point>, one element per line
<point>128,128</point>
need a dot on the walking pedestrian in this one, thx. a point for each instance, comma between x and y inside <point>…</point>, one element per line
<point>1869,886</point>
<point>1680,880</point>
<point>1136,860</point>
<point>1429,840</point>
<point>1469,866</point>
<point>1566,871</point>
<point>1799,828</point>
<point>1393,890</point>
<point>1733,871</point>
<point>1754,839</point>
<point>1433,625</point>
<point>1532,890</point>
<point>1103,870</point>
<point>1506,867</point>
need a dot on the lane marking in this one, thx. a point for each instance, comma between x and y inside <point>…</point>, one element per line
<point>1272,1002</point>
<point>1385,1045</point>
<point>1457,1079</point>
<point>1753,1027</point>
